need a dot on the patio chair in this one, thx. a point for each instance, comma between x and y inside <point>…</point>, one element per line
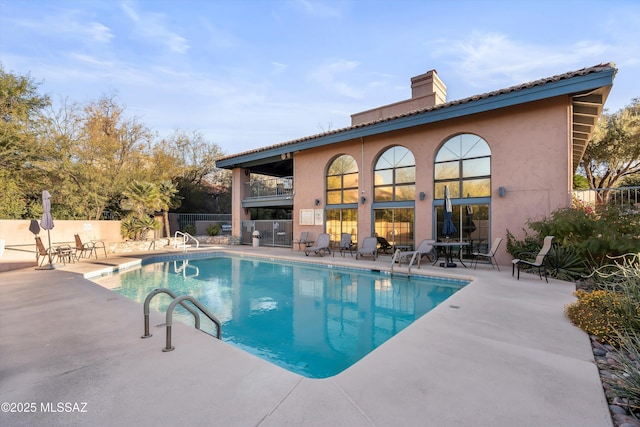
<point>369,247</point>
<point>303,240</point>
<point>321,247</point>
<point>384,244</point>
<point>491,254</point>
<point>345,244</point>
<point>90,247</point>
<point>538,262</point>
<point>43,253</point>
<point>425,248</point>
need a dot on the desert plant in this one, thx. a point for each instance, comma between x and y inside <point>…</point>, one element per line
<point>622,276</point>
<point>625,372</point>
<point>595,312</point>
<point>213,229</point>
<point>566,264</point>
<point>137,228</point>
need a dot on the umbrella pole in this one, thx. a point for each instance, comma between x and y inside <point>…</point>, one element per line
<point>50,260</point>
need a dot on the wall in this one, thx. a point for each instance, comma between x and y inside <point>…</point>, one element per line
<point>530,158</point>
<point>20,244</point>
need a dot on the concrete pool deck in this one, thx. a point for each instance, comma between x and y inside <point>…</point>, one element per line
<point>499,352</point>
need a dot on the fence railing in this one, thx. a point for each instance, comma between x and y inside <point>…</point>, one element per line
<point>620,196</point>
<point>269,187</point>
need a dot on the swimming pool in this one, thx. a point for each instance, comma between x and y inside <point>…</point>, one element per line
<point>312,320</point>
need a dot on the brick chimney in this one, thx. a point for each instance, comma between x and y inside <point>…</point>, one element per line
<point>427,90</point>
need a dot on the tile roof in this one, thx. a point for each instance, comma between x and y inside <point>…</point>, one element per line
<point>541,82</point>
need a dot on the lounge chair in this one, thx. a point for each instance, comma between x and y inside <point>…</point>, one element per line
<point>425,248</point>
<point>43,253</point>
<point>321,247</point>
<point>90,247</point>
<point>384,244</point>
<point>303,240</point>
<point>369,247</point>
<point>538,262</point>
<point>345,244</point>
<point>491,254</point>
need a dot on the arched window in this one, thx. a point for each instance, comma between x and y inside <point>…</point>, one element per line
<point>395,176</point>
<point>342,198</point>
<point>342,181</point>
<point>464,164</point>
<point>394,193</point>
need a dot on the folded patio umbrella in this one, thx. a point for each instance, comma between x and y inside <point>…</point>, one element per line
<point>47,220</point>
<point>448,227</point>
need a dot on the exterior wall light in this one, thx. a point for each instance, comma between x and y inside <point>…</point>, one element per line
<point>501,191</point>
<point>317,202</point>
<point>362,199</point>
<point>422,195</point>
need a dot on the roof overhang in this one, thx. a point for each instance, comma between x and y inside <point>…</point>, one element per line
<point>588,91</point>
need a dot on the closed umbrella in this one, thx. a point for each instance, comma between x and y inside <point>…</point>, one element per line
<point>448,227</point>
<point>47,220</point>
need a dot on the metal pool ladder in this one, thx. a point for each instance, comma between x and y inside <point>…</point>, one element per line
<point>169,316</point>
<point>185,238</point>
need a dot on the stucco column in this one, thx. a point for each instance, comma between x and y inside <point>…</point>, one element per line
<point>239,177</point>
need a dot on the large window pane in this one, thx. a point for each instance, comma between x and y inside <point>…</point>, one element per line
<point>340,221</point>
<point>476,188</point>
<point>342,180</point>
<point>334,197</point>
<point>384,194</point>
<point>383,177</point>
<point>350,196</point>
<point>395,167</point>
<point>396,225</point>
<point>448,170</point>
<point>405,192</point>
<point>350,180</point>
<point>334,182</point>
<point>406,175</point>
<point>476,167</point>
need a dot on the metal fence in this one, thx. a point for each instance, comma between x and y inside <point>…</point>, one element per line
<point>277,232</point>
<point>622,196</point>
<point>185,219</point>
<point>270,187</point>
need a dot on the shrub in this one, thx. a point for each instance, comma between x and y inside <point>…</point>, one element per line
<point>189,229</point>
<point>137,228</point>
<point>213,229</point>
<point>595,312</point>
<point>566,264</point>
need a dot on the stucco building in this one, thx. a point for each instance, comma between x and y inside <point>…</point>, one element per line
<point>507,156</point>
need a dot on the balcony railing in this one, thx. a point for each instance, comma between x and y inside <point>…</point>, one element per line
<point>269,187</point>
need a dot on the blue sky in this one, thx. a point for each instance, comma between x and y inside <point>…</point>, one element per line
<point>251,73</point>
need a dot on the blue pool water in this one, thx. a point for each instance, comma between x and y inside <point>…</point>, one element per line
<point>312,320</point>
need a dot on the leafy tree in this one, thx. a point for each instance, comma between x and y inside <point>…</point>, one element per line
<point>20,111</point>
<point>580,182</point>
<point>614,149</point>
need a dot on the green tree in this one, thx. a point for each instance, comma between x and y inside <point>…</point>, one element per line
<point>168,199</point>
<point>142,199</point>
<point>20,112</point>
<point>614,149</point>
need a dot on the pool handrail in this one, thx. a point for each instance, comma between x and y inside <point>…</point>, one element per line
<point>169,320</point>
<point>185,239</point>
<point>169,292</point>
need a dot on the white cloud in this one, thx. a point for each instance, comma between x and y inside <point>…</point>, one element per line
<point>495,59</point>
<point>331,76</point>
<point>152,26</point>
